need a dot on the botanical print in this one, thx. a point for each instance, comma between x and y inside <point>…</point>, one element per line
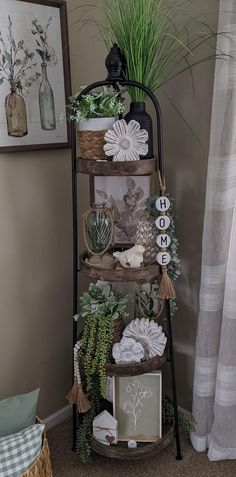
<point>32,82</point>
<point>137,405</point>
<point>18,70</point>
<point>48,57</point>
<point>134,406</point>
<point>126,196</point>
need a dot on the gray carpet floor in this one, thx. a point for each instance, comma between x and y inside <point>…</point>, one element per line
<point>65,463</point>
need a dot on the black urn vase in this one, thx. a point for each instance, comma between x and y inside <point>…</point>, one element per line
<point>138,112</point>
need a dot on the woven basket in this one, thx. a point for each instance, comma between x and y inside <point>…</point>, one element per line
<point>91,145</point>
<point>42,466</point>
<point>118,328</point>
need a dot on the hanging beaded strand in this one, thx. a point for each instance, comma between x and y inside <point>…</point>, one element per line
<point>166,288</point>
<point>76,395</point>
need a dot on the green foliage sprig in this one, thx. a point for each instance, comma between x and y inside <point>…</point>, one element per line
<point>185,423</point>
<point>100,307</point>
<point>97,104</point>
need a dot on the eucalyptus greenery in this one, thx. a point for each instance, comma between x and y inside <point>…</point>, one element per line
<point>158,39</point>
<point>100,307</point>
<point>104,103</point>
<point>185,423</point>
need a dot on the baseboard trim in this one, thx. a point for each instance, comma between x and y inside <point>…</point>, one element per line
<point>185,412</point>
<point>66,412</point>
<point>58,417</point>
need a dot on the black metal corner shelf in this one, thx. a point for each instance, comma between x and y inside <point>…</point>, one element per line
<point>117,80</point>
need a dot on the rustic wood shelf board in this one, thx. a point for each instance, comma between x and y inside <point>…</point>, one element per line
<point>122,452</point>
<point>144,274</point>
<point>136,369</point>
<point>143,167</point>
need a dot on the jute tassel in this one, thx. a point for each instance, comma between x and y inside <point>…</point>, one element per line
<point>166,288</point>
<point>77,395</point>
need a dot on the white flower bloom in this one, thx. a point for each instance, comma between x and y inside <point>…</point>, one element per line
<point>24,85</point>
<point>127,351</point>
<point>126,142</point>
<point>51,56</point>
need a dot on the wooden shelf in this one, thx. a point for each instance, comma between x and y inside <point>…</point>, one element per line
<point>136,369</point>
<point>144,274</point>
<point>122,452</point>
<point>143,167</point>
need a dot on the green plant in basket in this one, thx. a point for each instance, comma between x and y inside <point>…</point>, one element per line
<point>101,307</point>
<point>96,104</point>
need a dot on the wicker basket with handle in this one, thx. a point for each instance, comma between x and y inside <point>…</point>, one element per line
<point>91,145</point>
<point>42,466</point>
<point>91,138</point>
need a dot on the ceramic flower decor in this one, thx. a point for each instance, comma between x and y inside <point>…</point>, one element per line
<point>126,142</point>
<point>127,351</point>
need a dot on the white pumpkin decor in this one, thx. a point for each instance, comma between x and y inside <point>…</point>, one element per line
<point>131,258</point>
<point>126,142</point>
<point>127,351</point>
<point>149,334</point>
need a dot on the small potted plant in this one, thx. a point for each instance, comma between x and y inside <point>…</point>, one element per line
<point>95,113</point>
<point>104,313</point>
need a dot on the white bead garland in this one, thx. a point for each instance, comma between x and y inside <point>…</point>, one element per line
<point>76,363</point>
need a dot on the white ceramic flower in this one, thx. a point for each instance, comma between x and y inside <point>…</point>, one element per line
<point>127,351</point>
<point>149,334</point>
<point>126,142</point>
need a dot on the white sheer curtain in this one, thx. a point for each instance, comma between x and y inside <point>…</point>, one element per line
<point>214,399</point>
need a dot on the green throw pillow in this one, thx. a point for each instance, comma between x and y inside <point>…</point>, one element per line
<point>18,412</point>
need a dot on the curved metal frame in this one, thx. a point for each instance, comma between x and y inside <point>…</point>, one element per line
<point>160,164</point>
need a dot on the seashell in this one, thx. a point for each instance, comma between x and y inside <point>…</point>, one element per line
<point>131,258</point>
<point>127,351</point>
<point>149,334</point>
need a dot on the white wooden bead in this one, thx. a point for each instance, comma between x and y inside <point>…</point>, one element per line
<point>162,222</point>
<point>163,241</point>
<point>163,258</point>
<point>162,204</point>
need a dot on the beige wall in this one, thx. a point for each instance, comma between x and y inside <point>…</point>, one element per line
<point>35,236</point>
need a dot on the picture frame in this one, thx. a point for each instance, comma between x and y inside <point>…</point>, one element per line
<point>137,406</point>
<point>35,81</point>
<point>126,196</point>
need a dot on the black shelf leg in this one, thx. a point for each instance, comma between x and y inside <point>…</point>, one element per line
<point>172,365</point>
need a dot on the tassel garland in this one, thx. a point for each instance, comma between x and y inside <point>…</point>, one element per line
<point>77,395</point>
<point>166,287</point>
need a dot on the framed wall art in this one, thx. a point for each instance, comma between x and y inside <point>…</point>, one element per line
<point>34,75</point>
<point>126,196</point>
<point>137,406</point>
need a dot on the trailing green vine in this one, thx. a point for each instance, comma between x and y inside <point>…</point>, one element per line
<point>100,307</point>
<point>84,432</point>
